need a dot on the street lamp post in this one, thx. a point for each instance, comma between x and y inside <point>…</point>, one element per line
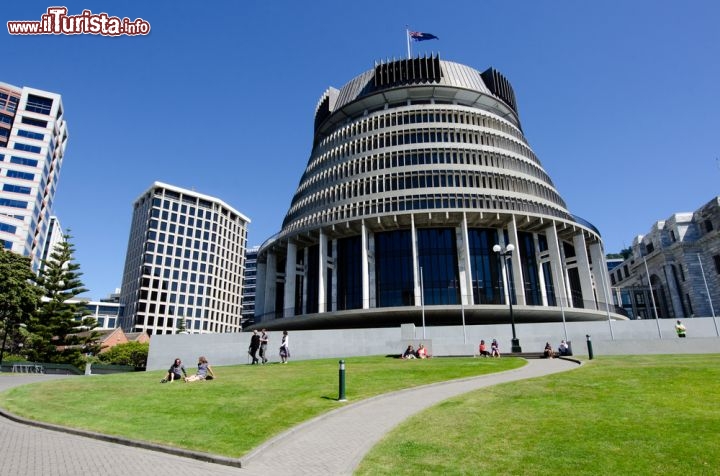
<point>504,255</point>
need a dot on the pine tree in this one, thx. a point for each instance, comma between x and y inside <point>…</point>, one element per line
<point>62,331</point>
<point>18,297</point>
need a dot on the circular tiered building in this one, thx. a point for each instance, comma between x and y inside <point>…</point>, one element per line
<point>419,167</point>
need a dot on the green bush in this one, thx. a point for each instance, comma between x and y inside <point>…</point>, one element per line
<point>131,353</point>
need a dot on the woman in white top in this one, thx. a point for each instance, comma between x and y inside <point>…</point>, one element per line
<point>284,348</point>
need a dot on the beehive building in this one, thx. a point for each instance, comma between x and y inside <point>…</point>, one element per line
<point>419,167</point>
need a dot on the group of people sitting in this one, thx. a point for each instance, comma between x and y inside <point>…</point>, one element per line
<point>177,371</point>
<point>563,349</point>
<point>494,349</point>
<point>411,353</point>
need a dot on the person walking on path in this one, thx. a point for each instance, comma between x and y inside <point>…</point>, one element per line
<point>254,346</point>
<point>680,329</point>
<point>284,348</point>
<point>263,346</point>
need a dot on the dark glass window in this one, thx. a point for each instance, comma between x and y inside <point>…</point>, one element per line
<point>393,269</point>
<point>313,279</point>
<point>30,135</point>
<point>529,269</point>
<point>437,253</point>
<point>549,288</point>
<point>38,104</point>
<point>486,280</point>
<point>6,202</point>
<point>27,148</point>
<point>716,259</point>
<point>23,161</point>
<point>34,122</point>
<point>20,175</point>
<point>349,273</point>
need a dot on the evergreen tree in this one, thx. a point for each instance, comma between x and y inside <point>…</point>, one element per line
<point>18,297</point>
<point>62,331</point>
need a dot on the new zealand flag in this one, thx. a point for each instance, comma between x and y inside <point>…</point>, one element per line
<point>419,36</point>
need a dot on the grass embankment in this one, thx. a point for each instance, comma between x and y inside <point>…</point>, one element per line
<point>228,416</point>
<point>639,415</point>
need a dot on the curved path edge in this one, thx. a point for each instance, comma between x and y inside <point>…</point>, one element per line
<point>334,443</point>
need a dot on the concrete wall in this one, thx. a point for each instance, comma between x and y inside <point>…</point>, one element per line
<point>616,338</point>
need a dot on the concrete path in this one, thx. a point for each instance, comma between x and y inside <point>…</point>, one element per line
<point>332,444</point>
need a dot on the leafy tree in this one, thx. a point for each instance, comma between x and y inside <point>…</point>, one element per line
<point>18,298</point>
<point>62,331</point>
<point>181,328</point>
<point>129,353</point>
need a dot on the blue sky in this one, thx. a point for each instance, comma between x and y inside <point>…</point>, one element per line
<point>619,100</point>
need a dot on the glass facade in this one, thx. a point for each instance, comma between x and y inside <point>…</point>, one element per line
<point>349,273</point>
<point>486,277</point>
<point>437,253</point>
<point>394,269</point>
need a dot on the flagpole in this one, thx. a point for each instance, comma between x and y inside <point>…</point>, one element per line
<point>407,38</point>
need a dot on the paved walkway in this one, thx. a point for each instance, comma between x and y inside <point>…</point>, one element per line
<point>332,444</point>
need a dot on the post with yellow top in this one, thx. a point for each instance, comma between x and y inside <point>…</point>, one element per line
<point>341,393</point>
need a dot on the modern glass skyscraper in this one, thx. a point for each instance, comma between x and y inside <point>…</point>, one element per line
<point>419,168</point>
<point>184,263</point>
<point>33,137</point>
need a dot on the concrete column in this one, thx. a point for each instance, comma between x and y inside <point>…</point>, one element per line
<point>583,266</point>
<point>365,263</point>
<point>322,252</point>
<point>270,286</point>
<point>599,272</point>
<point>464,263</point>
<point>518,280</point>
<point>334,291</point>
<point>541,271</point>
<point>305,264</point>
<point>416,264</point>
<point>260,283</point>
<point>557,265</point>
<point>289,299</point>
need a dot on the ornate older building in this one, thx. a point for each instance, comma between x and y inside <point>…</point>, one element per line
<point>419,167</point>
<point>681,256</point>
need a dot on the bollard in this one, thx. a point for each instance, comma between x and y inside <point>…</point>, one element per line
<point>341,393</point>
<point>589,345</point>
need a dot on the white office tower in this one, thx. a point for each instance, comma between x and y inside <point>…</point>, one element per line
<point>184,264</point>
<point>33,137</point>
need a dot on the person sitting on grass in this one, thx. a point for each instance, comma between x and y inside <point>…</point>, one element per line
<point>422,352</point>
<point>494,349</point>
<point>174,371</point>
<point>548,352</point>
<point>483,349</point>
<point>204,371</point>
<point>409,353</point>
<point>564,348</point>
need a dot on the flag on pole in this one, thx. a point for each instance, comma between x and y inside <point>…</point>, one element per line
<point>419,36</point>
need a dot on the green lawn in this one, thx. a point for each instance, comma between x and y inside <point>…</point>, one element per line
<point>228,416</point>
<point>634,415</point>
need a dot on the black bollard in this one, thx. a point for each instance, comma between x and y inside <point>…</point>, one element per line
<point>341,393</point>
<point>589,345</point>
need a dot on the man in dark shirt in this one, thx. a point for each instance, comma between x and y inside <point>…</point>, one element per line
<point>263,346</point>
<point>254,346</point>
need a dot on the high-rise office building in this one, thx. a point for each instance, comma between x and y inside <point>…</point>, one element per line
<point>33,137</point>
<point>419,169</point>
<point>249,283</point>
<point>184,263</point>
